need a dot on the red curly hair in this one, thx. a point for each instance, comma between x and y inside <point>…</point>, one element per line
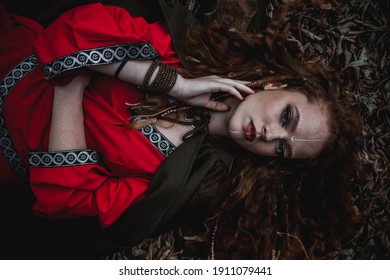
<point>281,209</point>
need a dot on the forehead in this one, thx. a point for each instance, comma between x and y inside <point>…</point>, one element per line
<point>312,130</point>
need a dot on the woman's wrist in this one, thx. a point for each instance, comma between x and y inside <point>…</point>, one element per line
<point>177,89</point>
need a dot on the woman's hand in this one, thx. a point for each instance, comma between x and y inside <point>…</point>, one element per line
<point>198,91</point>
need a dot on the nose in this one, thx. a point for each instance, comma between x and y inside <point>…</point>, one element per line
<point>269,134</point>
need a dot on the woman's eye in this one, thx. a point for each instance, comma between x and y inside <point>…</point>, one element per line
<point>286,115</point>
<point>280,149</point>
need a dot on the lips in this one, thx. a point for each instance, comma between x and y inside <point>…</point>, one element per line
<point>250,132</point>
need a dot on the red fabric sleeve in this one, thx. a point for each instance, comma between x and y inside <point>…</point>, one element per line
<point>67,189</point>
<point>95,34</point>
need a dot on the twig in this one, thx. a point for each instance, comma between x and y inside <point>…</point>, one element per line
<point>375,28</point>
<point>365,8</point>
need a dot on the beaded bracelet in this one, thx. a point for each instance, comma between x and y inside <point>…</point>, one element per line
<point>163,82</point>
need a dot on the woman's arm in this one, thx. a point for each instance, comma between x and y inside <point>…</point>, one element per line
<point>67,124</point>
<point>70,180</point>
<point>195,92</point>
<point>100,37</point>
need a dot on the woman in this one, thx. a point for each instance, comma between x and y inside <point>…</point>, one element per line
<point>85,161</point>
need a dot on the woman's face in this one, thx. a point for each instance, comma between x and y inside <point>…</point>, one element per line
<point>280,123</point>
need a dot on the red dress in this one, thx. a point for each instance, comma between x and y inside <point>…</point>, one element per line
<point>115,171</point>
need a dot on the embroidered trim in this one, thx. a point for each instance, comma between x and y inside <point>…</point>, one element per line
<point>158,139</point>
<point>63,158</point>
<point>6,143</point>
<point>99,56</point>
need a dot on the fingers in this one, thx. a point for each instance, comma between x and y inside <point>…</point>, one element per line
<point>244,88</point>
<point>233,91</point>
<point>235,87</point>
<point>198,91</point>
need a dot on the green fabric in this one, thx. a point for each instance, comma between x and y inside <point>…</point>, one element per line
<point>168,184</point>
<point>177,18</point>
<point>173,185</point>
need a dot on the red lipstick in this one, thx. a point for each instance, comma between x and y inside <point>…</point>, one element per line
<point>250,132</point>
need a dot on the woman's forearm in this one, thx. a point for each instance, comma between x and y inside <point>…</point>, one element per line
<point>132,72</point>
<point>197,92</point>
<point>67,125</point>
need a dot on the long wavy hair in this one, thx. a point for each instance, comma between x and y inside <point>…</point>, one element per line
<point>275,208</point>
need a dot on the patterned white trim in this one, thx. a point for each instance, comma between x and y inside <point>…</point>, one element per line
<point>63,158</point>
<point>99,56</point>
<point>6,144</point>
<point>158,140</point>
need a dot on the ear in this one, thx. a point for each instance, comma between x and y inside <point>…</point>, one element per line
<point>274,85</point>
